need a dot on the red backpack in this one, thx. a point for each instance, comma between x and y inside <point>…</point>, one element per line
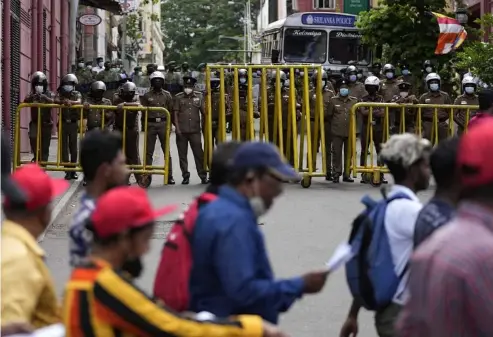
<point>173,273</point>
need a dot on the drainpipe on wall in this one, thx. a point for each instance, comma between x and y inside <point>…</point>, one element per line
<point>39,36</point>
<point>64,38</point>
<point>6,66</point>
<point>74,5</point>
<point>53,58</point>
<point>34,38</point>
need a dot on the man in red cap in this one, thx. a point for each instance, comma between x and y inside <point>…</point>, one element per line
<point>102,289</point>
<point>28,294</point>
<point>452,272</point>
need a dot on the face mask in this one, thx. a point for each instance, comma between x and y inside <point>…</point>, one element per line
<point>344,92</point>
<point>428,69</point>
<point>157,84</point>
<point>243,80</point>
<point>39,89</point>
<point>68,88</point>
<point>101,64</point>
<point>469,90</point>
<point>188,91</point>
<point>389,75</point>
<point>434,86</point>
<point>97,94</point>
<point>353,78</point>
<point>324,83</point>
<point>371,89</point>
<point>89,67</point>
<point>81,65</point>
<point>360,76</point>
<point>302,73</point>
<point>405,72</point>
<point>128,97</point>
<point>404,94</point>
<point>286,83</point>
<point>133,266</point>
<point>139,73</point>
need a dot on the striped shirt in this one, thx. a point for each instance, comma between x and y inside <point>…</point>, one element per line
<point>100,302</point>
<point>80,237</point>
<point>451,281</point>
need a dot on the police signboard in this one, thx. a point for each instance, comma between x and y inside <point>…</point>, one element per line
<point>328,19</point>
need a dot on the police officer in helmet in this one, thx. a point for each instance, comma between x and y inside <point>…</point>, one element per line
<point>95,116</point>
<point>470,97</point>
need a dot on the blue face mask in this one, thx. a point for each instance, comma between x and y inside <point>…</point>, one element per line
<point>389,75</point>
<point>353,78</point>
<point>434,86</point>
<point>469,90</point>
<point>344,92</point>
<point>405,72</point>
<point>243,80</point>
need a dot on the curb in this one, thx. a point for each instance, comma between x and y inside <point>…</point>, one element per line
<point>60,205</point>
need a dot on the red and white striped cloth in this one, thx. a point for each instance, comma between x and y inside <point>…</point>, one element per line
<point>452,34</point>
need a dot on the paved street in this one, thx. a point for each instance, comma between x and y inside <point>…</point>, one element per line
<point>301,231</point>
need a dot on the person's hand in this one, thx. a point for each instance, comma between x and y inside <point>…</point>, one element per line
<point>16,328</point>
<point>349,328</point>
<point>120,106</point>
<point>86,105</point>
<point>66,102</point>
<point>314,281</point>
<point>271,330</point>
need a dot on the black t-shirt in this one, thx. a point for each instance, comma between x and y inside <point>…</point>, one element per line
<point>433,215</point>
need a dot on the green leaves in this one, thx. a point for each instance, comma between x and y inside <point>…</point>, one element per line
<point>192,28</point>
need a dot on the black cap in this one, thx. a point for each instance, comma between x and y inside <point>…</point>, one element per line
<point>188,80</point>
<point>341,81</point>
<point>9,188</point>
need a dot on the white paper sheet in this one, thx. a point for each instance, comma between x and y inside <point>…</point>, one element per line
<point>341,255</point>
<point>55,330</point>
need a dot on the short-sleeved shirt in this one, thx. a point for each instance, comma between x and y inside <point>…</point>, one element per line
<point>434,214</point>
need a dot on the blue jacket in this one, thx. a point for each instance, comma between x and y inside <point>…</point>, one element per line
<point>231,273</point>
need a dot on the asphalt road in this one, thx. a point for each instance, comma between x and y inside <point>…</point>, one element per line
<point>301,232</point>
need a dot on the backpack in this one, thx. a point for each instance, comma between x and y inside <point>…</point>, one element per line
<point>370,273</point>
<point>173,273</point>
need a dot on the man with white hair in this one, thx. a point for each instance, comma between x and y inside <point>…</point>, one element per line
<point>407,158</point>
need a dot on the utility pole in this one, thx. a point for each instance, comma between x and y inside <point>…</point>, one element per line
<point>248,45</point>
<point>74,6</point>
<point>124,34</point>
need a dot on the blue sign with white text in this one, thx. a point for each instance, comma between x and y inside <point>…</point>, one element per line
<point>328,19</point>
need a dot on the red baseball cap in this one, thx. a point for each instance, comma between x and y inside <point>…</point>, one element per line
<point>124,208</point>
<point>40,189</point>
<point>475,157</point>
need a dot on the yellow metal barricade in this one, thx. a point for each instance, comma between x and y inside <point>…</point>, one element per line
<point>397,118</point>
<point>59,165</point>
<point>278,110</point>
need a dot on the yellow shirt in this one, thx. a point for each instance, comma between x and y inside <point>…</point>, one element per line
<point>28,294</point>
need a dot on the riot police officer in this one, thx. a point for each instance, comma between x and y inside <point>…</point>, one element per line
<point>427,68</point>
<point>185,69</point>
<point>69,117</point>
<point>242,102</point>
<point>405,96</point>
<point>215,105</point>
<point>389,86</point>
<point>189,108</point>
<point>327,94</point>
<point>339,114</point>
<point>98,118</point>
<point>126,123</point>
<point>376,123</point>
<point>469,97</point>
<point>436,97</point>
<point>376,70</point>
<point>156,120</point>
<point>85,77</point>
<point>271,105</point>
<point>40,94</point>
<point>110,78</point>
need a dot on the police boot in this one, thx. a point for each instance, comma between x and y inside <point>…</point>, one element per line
<point>186,178</point>
<point>74,175</point>
<point>171,181</point>
<point>68,176</point>
<point>204,181</point>
<point>335,178</point>
<point>382,179</point>
<point>347,179</point>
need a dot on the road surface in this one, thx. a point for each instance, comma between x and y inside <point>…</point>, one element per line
<point>301,232</point>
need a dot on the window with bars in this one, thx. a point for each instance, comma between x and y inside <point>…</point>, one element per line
<point>324,4</point>
<point>43,45</point>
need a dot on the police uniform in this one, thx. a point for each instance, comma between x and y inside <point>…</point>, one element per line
<point>215,97</point>
<point>127,121</point>
<point>156,123</point>
<point>377,125</point>
<point>339,111</point>
<point>409,113</point>
<point>95,116</point>
<point>46,123</point>
<point>172,80</point>
<point>110,78</point>
<point>188,110</point>
<point>69,118</point>
<point>327,95</point>
<point>460,115</point>
<point>435,98</point>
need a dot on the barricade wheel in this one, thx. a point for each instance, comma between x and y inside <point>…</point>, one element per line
<point>145,180</point>
<point>306,181</point>
<point>376,180</point>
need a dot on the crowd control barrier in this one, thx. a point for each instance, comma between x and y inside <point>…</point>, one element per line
<point>59,165</point>
<point>398,118</point>
<point>291,118</point>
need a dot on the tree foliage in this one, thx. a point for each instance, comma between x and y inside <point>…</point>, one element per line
<point>477,56</point>
<point>193,28</point>
<point>407,28</point>
<point>134,31</point>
